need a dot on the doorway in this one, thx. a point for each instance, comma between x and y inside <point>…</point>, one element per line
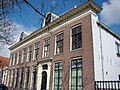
<point>44,80</point>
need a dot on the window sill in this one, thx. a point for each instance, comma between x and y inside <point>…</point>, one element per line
<point>45,57</point>
<point>75,49</point>
<point>59,54</point>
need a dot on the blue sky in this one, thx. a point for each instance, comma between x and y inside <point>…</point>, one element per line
<point>28,20</point>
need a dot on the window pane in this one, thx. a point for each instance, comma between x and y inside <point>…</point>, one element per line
<point>80,72</point>
<point>73,72</point>
<point>56,81</point>
<point>73,81</point>
<point>56,74</point>
<point>60,73</point>
<point>60,81</point>
<point>73,88</point>
<point>55,88</point>
<point>79,81</point>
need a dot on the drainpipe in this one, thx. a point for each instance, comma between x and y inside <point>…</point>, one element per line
<point>101,50</point>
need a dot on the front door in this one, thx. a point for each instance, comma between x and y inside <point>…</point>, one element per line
<point>44,80</point>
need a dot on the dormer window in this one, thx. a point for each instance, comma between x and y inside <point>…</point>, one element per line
<point>48,19</point>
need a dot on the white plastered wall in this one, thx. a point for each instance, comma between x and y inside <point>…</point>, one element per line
<point>106,62</point>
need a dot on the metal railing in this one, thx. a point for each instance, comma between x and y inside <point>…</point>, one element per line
<point>107,85</point>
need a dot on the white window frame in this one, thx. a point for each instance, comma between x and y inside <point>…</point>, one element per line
<point>34,51</point>
<point>27,60</point>
<point>70,71</point>
<point>71,36</point>
<point>43,55</point>
<point>55,53</point>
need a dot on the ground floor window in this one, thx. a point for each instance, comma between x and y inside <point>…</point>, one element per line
<point>21,78</point>
<point>17,76</point>
<point>34,75</point>
<point>27,78</point>
<point>76,74</point>
<point>58,76</point>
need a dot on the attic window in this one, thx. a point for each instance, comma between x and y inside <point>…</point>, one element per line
<point>48,19</point>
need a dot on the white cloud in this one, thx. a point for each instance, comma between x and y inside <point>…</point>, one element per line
<point>19,28</point>
<point>111,12</point>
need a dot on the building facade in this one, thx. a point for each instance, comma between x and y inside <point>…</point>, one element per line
<point>69,53</point>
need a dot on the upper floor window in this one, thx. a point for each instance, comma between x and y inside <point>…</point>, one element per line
<point>76,36</point>
<point>36,49</point>
<point>11,59</point>
<point>19,56</point>
<point>29,52</point>
<point>15,59</point>
<point>58,76</point>
<point>117,49</point>
<point>24,55</point>
<point>46,47</point>
<point>76,74</point>
<point>59,43</point>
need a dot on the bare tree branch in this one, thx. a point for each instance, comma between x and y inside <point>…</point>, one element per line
<point>33,7</point>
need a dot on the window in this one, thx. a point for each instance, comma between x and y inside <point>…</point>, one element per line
<point>34,74</point>
<point>46,47</point>
<point>76,74</point>
<point>76,37</point>
<point>15,59</point>
<point>11,59</point>
<point>12,77</point>
<point>21,78</point>
<point>117,49</point>
<point>29,53</point>
<point>9,77</point>
<point>27,78</point>
<point>17,76</point>
<point>24,55</point>
<point>36,51</point>
<point>58,76</point>
<point>19,57</point>
<point>59,43</point>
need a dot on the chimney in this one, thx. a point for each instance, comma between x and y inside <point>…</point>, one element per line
<point>90,0</point>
